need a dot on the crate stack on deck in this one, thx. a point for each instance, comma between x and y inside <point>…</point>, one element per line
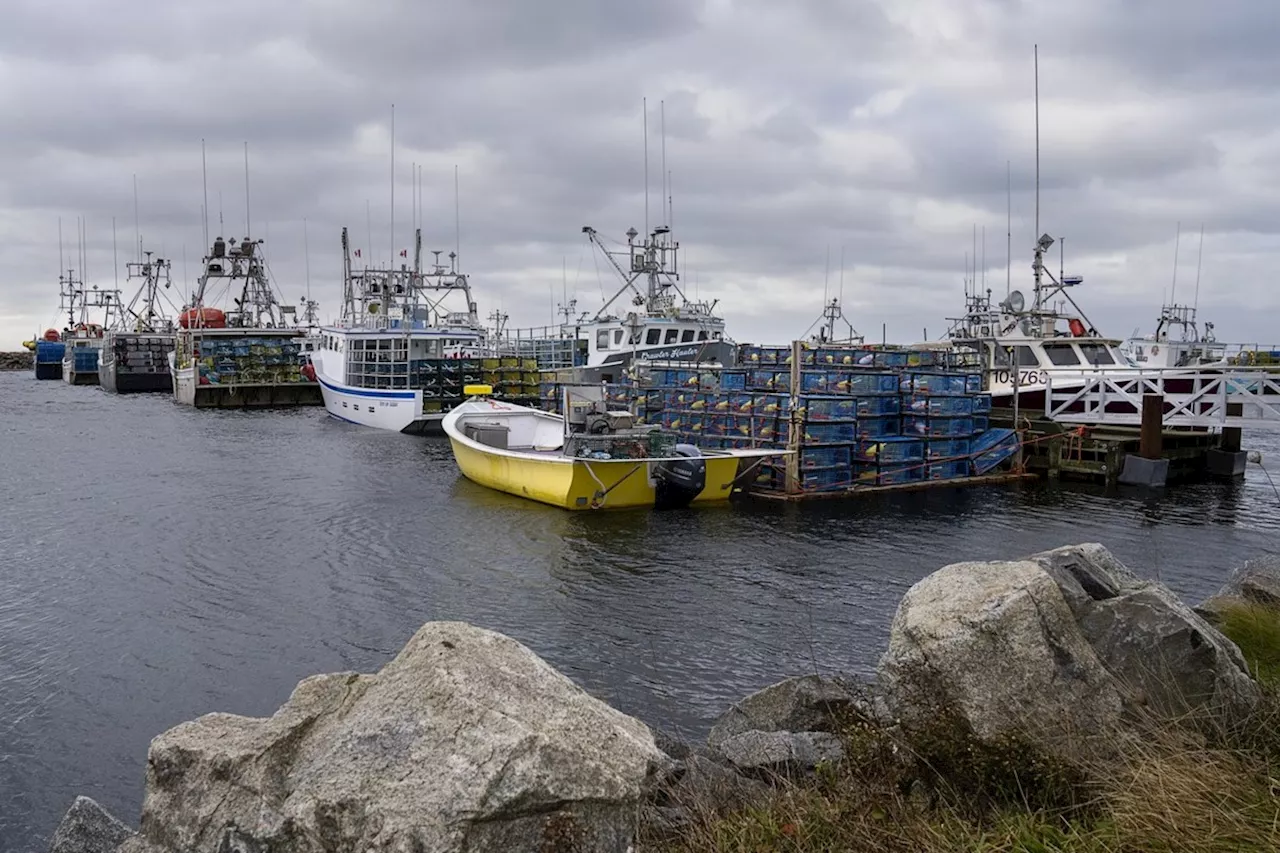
<point>84,359</point>
<point>866,417</point>
<point>140,354</point>
<point>443,380</point>
<point>256,360</point>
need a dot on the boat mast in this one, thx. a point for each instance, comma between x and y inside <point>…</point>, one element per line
<point>348,292</point>
<point>1039,256</point>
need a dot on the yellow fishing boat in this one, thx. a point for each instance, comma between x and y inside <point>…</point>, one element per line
<point>593,460</point>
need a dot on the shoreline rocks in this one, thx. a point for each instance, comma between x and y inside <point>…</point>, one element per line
<point>1066,648</point>
<point>17,360</point>
<point>468,741</point>
<point>465,741</point>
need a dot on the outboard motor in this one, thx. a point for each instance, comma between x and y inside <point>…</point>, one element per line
<point>681,479</point>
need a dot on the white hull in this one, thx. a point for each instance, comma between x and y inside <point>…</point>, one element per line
<point>398,411</point>
<point>1033,381</point>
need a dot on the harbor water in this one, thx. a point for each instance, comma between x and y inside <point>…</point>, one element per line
<point>161,562</point>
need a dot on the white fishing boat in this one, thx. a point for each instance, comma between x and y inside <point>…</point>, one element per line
<point>649,318</point>
<point>243,356</point>
<point>1176,342</point>
<point>593,459</point>
<point>1023,348</point>
<point>90,312</point>
<point>406,345</point>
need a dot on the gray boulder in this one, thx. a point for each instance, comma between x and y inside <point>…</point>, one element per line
<point>89,828</point>
<point>768,754</point>
<point>810,703</point>
<point>1066,648</point>
<point>467,741</point>
<point>1256,582</point>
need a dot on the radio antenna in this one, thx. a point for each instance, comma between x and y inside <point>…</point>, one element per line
<point>306,257</point>
<point>393,186</point>
<point>1008,257</point>
<point>645,123</point>
<point>204,180</point>
<point>662,115</point>
<point>1199,258</point>
<point>137,228</point>
<point>248,231</point>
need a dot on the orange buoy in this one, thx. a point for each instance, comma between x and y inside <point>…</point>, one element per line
<point>52,335</point>
<point>1077,327</point>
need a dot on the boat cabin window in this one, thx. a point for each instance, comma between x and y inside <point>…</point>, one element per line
<point>687,336</point>
<point>1096,354</point>
<point>702,336</point>
<point>1026,356</point>
<point>654,336</point>
<point>715,336</point>
<point>672,334</point>
<point>617,337</point>
<point>602,339</point>
<point>634,337</point>
<point>1062,355</point>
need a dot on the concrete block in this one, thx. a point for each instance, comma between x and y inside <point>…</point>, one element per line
<point>1225,463</point>
<point>1138,471</point>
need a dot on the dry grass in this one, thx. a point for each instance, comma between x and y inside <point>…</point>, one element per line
<point>1203,786</point>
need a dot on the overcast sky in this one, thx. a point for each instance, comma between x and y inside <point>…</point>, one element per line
<point>880,128</point>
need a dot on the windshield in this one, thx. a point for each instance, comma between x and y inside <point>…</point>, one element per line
<point>1097,354</point>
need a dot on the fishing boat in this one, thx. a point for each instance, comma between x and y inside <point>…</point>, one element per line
<point>1176,342</point>
<point>649,318</point>
<point>83,337</point>
<point>136,347</point>
<point>245,356</point>
<point>592,459</point>
<point>1020,346</point>
<point>48,350</point>
<point>407,343</point>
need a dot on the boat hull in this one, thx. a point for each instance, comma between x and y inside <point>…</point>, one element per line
<point>71,376</point>
<point>577,485</point>
<point>49,370</point>
<point>397,411</point>
<point>136,363</point>
<point>134,383</point>
<point>187,392</point>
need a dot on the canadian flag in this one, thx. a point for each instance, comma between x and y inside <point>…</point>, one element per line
<point>357,253</point>
<point>404,253</point>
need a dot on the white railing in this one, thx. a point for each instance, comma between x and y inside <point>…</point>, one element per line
<point>1191,398</point>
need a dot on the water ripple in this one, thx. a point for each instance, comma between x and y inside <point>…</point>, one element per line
<point>161,563</point>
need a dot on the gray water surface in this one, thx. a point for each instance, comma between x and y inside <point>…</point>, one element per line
<point>158,563</point>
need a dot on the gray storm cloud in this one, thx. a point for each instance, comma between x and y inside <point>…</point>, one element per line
<point>881,131</point>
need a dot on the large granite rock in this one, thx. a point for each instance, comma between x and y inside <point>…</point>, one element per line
<point>1257,582</point>
<point>1063,648</point>
<point>467,741</point>
<point>89,828</point>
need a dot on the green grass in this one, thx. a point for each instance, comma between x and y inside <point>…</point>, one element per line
<point>1195,786</point>
<point>1255,628</point>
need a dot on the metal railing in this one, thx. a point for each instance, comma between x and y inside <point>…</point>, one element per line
<point>1209,398</point>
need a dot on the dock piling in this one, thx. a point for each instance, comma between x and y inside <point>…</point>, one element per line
<point>1152,438</point>
<point>796,430</point>
<point>1148,467</point>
